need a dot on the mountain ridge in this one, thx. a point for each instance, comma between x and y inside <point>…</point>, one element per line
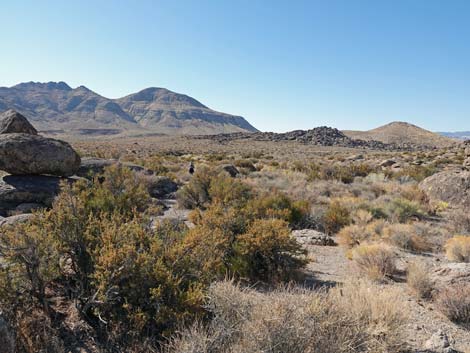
<point>55,106</point>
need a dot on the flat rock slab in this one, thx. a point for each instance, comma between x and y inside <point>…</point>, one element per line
<point>31,154</point>
<point>28,189</point>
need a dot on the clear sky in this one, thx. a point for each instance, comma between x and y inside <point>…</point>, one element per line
<point>284,65</point>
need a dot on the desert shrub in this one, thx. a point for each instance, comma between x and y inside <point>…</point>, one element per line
<point>195,194</point>
<point>405,236</point>
<point>418,280</point>
<point>402,210</point>
<point>278,205</point>
<point>118,189</point>
<point>458,248</point>
<point>454,302</point>
<point>226,241</point>
<point>354,318</point>
<point>336,217</point>
<point>376,261</point>
<point>355,234</point>
<point>229,191</point>
<point>268,252</point>
<point>417,172</point>
<point>245,164</point>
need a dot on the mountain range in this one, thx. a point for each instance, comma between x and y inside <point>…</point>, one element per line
<point>459,135</point>
<point>55,107</point>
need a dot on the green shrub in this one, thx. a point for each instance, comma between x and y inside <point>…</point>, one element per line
<point>336,217</point>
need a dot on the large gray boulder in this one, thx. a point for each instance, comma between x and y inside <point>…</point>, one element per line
<point>32,154</point>
<point>160,186</point>
<point>16,190</point>
<point>452,187</point>
<point>13,122</point>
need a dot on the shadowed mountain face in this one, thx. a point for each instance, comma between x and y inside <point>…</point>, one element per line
<point>56,106</point>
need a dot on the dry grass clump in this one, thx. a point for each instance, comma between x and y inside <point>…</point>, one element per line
<point>454,302</point>
<point>376,261</point>
<point>418,280</point>
<point>458,248</point>
<point>406,237</point>
<point>355,234</point>
<point>355,318</point>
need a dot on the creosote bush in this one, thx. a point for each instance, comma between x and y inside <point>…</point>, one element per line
<point>130,283</point>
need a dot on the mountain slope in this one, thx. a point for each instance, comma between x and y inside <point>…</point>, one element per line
<point>402,133</point>
<point>56,106</point>
<point>165,110</point>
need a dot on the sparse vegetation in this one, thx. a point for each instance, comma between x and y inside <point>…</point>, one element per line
<point>458,248</point>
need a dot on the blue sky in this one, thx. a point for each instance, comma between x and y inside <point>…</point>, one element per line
<point>284,65</point>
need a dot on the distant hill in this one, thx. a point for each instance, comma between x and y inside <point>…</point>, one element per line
<point>56,107</point>
<point>458,135</point>
<point>402,133</point>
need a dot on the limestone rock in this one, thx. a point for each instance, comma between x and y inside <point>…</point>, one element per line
<point>14,220</point>
<point>313,237</point>
<point>31,154</point>
<point>13,122</point>
<point>452,187</point>
<point>439,343</point>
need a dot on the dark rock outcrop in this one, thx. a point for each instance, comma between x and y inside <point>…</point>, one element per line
<point>321,136</point>
<point>451,187</point>
<point>13,122</point>
<point>16,190</point>
<point>230,169</point>
<point>31,154</point>
<point>161,186</point>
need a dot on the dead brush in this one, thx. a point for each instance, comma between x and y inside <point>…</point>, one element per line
<point>376,261</point>
<point>454,302</point>
<point>357,317</point>
<point>418,280</point>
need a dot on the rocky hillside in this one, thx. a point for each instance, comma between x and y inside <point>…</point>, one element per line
<point>55,107</point>
<point>404,134</point>
<point>321,136</point>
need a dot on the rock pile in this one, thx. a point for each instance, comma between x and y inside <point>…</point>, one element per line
<point>36,165</point>
<point>321,136</point>
<point>466,163</point>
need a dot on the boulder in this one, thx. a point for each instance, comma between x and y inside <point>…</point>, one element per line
<point>13,122</point>
<point>7,338</point>
<point>90,167</point>
<point>230,169</point>
<point>16,190</point>
<point>14,220</point>
<point>439,343</point>
<point>450,186</point>
<point>32,154</point>
<point>387,163</point>
<point>312,237</point>
<point>161,186</point>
